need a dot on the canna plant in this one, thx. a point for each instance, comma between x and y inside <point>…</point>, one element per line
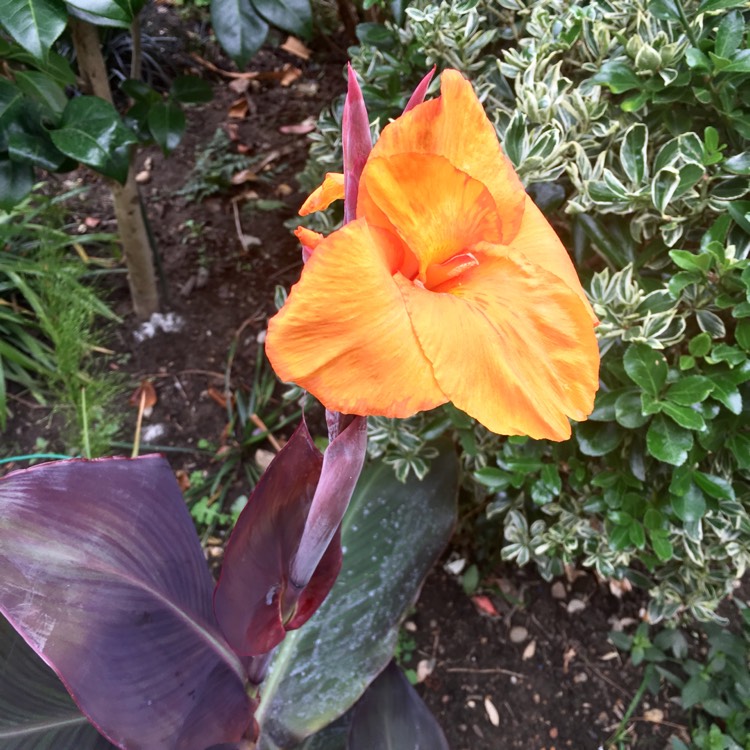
<point>102,572</point>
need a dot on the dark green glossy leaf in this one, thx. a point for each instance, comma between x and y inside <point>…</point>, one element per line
<point>738,164</point>
<point>92,133</point>
<point>667,10</point>
<point>34,24</point>
<point>294,16</point>
<point>11,111</point>
<point>191,90</point>
<point>710,5</point>
<point>35,708</point>
<point>690,506</point>
<point>684,416</point>
<point>691,261</point>
<point>690,390</point>
<point>604,406</point>
<point>646,367</point>
<point>16,181</point>
<point>729,34</point>
<point>46,91</point>
<point>119,13</point>
<point>239,28</point>
<point>139,91</point>
<point>628,412</point>
<point>166,123</point>
<point>714,486</point>
<point>598,439</point>
<point>739,445</point>
<point>667,441</point>
<point>37,150</point>
<point>740,212</point>
<point>389,544</point>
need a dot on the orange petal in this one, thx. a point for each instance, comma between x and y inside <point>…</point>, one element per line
<point>537,240</point>
<point>436,209</point>
<point>344,333</point>
<point>455,126</point>
<point>307,238</point>
<point>511,345</point>
<point>331,190</point>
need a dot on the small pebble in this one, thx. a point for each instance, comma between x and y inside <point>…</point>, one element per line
<point>518,634</point>
<point>558,590</point>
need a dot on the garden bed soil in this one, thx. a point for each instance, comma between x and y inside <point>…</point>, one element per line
<point>538,675</point>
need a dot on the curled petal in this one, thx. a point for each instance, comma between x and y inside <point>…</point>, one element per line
<point>344,333</point>
<point>331,190</point>
<point>455,126</point>
<point>436,209</point>
<point>511,345</point>
<point>307,238</point>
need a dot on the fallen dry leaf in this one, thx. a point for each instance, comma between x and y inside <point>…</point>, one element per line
<point>244,175</point>
<point>529,651</point>
<point>619,588</point>
<point>492,713</point>
<point>655,715</point>
<point>146,392</point>
<point>233,131</point>
<point>425,668</point>
<point>143,177</point>
<point>239,85</point>
<point>295,47</point>
<point>283,190</point>
<point>576,605</point>
<point>289,75</point>
<point>306,126</point>
<point>568,657</point>
<point>484,605</point>
<point>183,480</point>
<point>239,109</point>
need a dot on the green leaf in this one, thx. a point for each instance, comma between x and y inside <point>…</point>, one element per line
<point>729,34</point>
<point>92,133</point>
<point>598,438</point>
<point>139,91</point>
<point>628,411</point>
<point>637,535</point>
<point>191,90</point>
<point>727,393</point>
<point>738,164</point>
<point>691,506</point>
<point>661,545</point>
<point>35,708</point>
<point>646,367</point>
<point>16,181</point>
<point>11,111</point>
<point>740,212</point>
<point>690,390</point>
<point>653,519</point>
<point>604,406</point>
<point>43,89</point>
<point>634,153</point>
<point>239,28</point>
<point>166,123</point>
<point>740,63</point>
<point>294,16</point>
<point>37,150</point>
<point>700,345</point>
<point>118,13</point>
<point>389,544</point>
<point>667,10</point>
<point>684,416</point>
<point>617,76</point>
<point>667,441</point>
<point>714,486</point>
<point>739,445</point>
<point>34,24</point>
<point>688,261</point>
<point>710,5</point>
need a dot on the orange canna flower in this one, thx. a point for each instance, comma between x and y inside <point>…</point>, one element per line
<point>449,285</point>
